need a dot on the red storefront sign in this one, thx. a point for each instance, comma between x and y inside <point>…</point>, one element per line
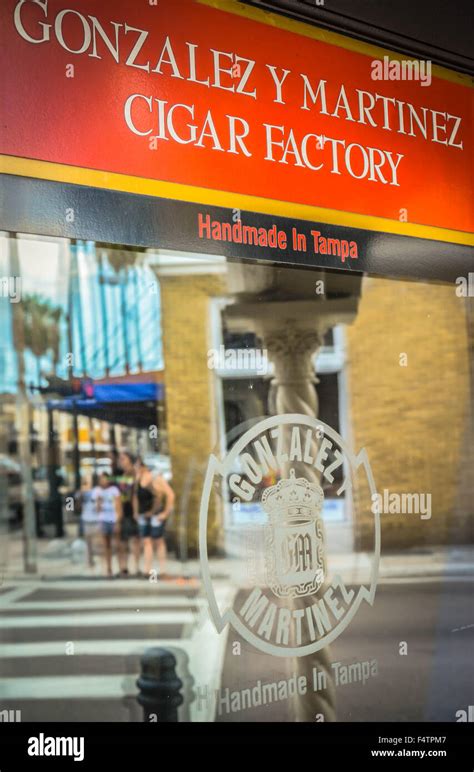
<point>216,98</point>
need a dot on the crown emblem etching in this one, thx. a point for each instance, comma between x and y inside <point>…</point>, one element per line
<point>294,560</point>
<point>280,469</point>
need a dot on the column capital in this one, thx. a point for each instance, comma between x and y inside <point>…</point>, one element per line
<point>290,340</point>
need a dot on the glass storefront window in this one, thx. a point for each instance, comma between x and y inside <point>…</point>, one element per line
<point>315,429</point>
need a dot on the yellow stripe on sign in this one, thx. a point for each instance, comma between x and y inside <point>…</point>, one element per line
<point>75,175</point>
<point>305,29</point>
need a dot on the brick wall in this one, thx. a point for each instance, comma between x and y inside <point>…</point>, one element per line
<point>190,399</point>
<point>412,419</point>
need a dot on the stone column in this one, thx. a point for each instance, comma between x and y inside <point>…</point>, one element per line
<point>292,331</point>
<point>293,390</point>
<point>291,351</point>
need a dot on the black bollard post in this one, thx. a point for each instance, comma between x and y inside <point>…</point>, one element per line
<point>159,686</point>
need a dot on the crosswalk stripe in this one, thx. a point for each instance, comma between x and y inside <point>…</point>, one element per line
<point>123,646</point>
<point>137,601</point>
<point>14,594</point>
<point>99,618</point>
<point>425,579</point>
<point>90,687</point>
<point>160,586</point>
<point>202,645</point>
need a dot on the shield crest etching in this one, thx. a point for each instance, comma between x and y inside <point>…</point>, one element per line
<point>295,600</point>
<point>294,561</point>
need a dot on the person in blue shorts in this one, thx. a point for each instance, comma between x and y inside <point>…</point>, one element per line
<point>153,501</point>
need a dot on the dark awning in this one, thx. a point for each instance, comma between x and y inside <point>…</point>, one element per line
<point>129,404</point>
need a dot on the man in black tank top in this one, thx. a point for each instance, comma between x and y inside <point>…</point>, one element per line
<point>153,501</point>
<point>146,498</point>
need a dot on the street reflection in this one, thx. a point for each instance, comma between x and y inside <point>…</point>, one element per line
<point>290,420</point>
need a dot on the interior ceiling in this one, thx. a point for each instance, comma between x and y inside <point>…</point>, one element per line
<point>439,30</point>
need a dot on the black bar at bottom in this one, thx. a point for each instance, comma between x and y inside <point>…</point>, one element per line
<point>447,745</point>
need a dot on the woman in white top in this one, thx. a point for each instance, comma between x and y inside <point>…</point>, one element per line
<point>89,515</point>
<point>109,509</point>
